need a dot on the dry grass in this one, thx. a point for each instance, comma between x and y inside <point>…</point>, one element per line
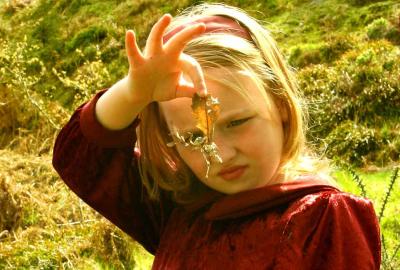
<point>45,226</point>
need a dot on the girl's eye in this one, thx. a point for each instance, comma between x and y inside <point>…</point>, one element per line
<point>238,122</point>
<point>197,135</point>
<point>193,136</point>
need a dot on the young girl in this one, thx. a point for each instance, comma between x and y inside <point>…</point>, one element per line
<point>258,201</point>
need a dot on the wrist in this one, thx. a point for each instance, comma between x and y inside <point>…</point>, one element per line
<point>118,107</point>
<point>126,86</point>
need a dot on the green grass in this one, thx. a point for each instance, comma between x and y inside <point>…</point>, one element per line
<point>60,27</point>
<point>314,21</point>
<point>376,188</point>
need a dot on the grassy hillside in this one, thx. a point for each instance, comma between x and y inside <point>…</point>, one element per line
<point>58,53</point>
<point>54,54</point>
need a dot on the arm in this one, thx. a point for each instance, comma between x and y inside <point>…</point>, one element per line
<point>115,109</point>
<point>99,165</point>
<point>94,152</point>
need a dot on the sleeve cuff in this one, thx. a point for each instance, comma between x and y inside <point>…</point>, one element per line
<point>97,133</point>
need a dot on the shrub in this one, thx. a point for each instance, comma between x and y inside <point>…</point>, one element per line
<point>365,57</point>
<point>335,47</point>
<point>301,56</point>
<point>24,110</point>
<point>393,34</point>
<point>382,28</point>
<point>378,28</point>
<point>362,87</point>
<point>47,29</point>
<point>86,80</point>
<point>353,143</point>
<point>331,50</point>
<point>361,2</point>
<point>90,35</point>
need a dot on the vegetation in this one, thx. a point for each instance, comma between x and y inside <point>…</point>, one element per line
<point>55,54</point>
<point>382,188</point>
<point>44,226</point>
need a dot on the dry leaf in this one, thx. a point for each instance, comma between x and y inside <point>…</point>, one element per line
<point>206,111</point>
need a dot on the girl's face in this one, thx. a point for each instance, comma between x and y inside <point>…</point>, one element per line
<point>248,134</point>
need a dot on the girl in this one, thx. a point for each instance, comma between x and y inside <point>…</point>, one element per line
<point>261,202</point>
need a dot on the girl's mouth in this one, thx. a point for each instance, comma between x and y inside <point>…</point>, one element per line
<point>232,173</point>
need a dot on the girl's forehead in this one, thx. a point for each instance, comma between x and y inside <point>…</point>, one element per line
<point>178,112</point>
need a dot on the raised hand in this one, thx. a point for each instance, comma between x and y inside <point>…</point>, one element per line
<point>157,73</point>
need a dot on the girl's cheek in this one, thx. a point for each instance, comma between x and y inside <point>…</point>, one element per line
<point>193,158</point>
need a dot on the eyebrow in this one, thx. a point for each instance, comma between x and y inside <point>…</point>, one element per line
<point>227,117</point>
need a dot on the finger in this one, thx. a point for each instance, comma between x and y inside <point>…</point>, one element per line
<point>154,41</point>
<point>184,89</point>
<point>176,44</point>
<point>135,57</point>
<point>192,68</point>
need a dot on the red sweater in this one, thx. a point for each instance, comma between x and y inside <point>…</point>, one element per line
<point>304,224</point>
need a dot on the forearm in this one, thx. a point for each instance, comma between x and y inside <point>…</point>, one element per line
<point>117,108</point>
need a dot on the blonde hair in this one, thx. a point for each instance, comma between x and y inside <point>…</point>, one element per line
<point>161,166</point>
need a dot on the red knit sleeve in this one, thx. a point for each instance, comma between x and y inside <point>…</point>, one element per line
<point>331,231</point>
<point>100,166</point>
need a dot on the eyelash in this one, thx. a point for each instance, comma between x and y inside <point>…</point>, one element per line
<point>238,122</point>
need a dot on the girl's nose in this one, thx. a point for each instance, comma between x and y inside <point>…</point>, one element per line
<point>226,148</point>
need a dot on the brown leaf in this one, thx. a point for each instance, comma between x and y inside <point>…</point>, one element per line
<point>206,111</point>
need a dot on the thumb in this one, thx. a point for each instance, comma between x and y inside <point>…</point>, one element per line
<point>193,70</point>
<point>185,88</point>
